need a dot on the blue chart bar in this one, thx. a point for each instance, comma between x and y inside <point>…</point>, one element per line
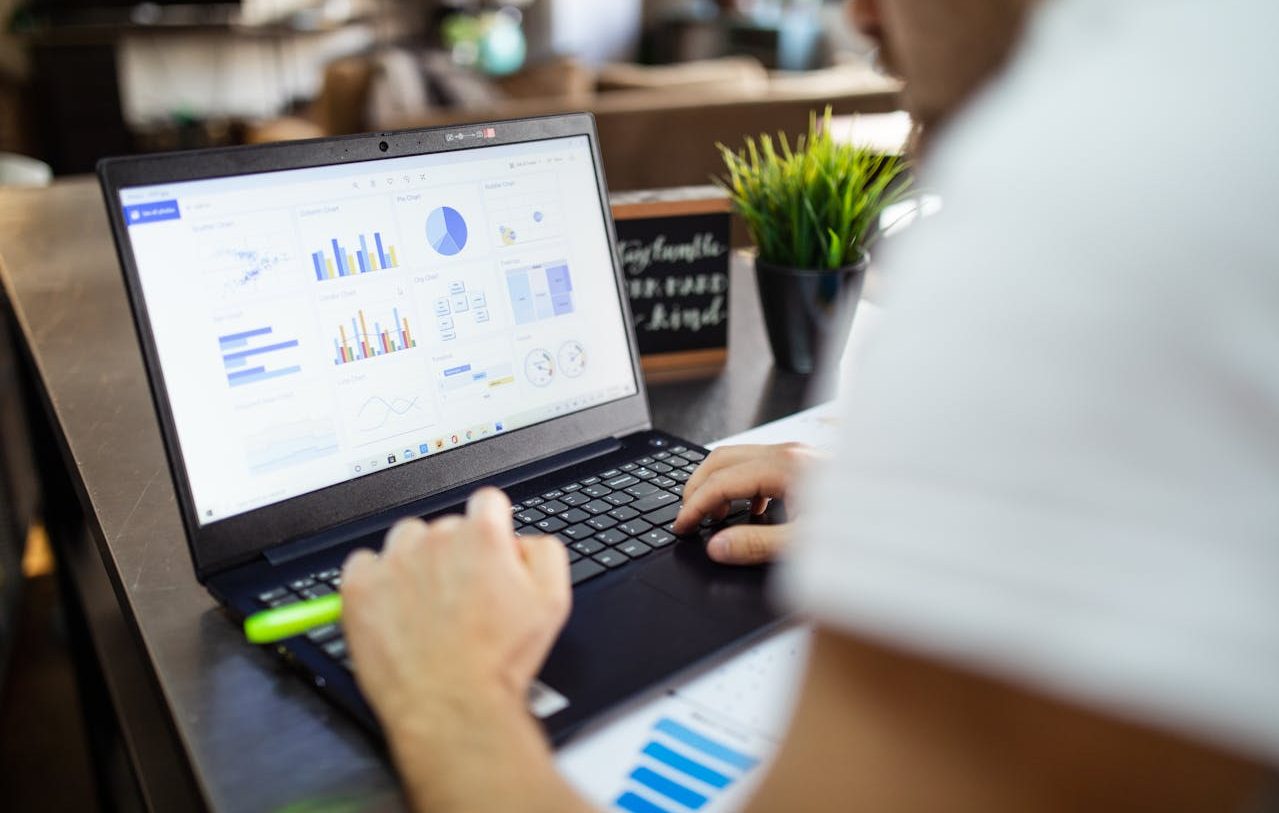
<point>241,339</point>
<point>637,804</point>
<point>669,788</point>
<point>382,259</point>
<point>706,745</point>
<point>681,769</point>
<point>247,364</point>
<point>685,765</point>
<point>318,259</point>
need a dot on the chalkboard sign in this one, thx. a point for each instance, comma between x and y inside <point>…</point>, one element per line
<point>675,247</point>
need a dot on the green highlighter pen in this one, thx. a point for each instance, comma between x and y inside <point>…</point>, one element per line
<point>270,626</point>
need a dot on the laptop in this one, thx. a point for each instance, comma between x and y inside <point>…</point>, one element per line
<point>346,332</point>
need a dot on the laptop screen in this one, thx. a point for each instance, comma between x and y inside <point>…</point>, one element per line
<point>320,325</point>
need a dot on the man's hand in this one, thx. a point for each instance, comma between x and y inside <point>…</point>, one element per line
<point>756,473</point>
<point>447,629</point>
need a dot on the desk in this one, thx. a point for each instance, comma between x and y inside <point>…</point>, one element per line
<point>207,721</point>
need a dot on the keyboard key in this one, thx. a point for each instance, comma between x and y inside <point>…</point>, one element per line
<point>663,515</point>
<point>601,523</point>
<point>328,575</point>
<point>588,547</point>
<point>272,595</point>
<point>641,490</point>
<point>575,515</point>
<point>677,489</point>
<point>679,476</point>
<point>657,539</point>
<point>644,474</point>
<point>661,468</point>
<point>634,549</point>
<point>645,461</point>
<point>336,649</point>
<point>676,461</point>
<point>550,525</point>
<point>598,507</point>
<point>530,516</point>
<point>553,495</point>
<point>610,558</point>
<point>654,501</point>
<point>573,556</point>
<point>679,449</point>
<point>535,501</point>
<point>324,634</point>
<point>582,531</point>
<point>552,507</point>
<point>589,481</point>
<point>622,482</point>
<point>570,488</point>
<point>611,537</point>
<point>663,482</point>
<point>696,457</point>
<point>530,530</point>
<point>301,584</point>
<point>661,456</point>
<point>597,490</point>
<point>629,467</point>
<point>316,592</point>
<point>635,527</point>
<point>608,475</point>
<point>619,498</point>
<point>575,499</point>
<point>624,513</point>
<point>583,570</point>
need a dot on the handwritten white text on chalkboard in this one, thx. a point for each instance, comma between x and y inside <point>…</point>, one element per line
<point>638,255</point>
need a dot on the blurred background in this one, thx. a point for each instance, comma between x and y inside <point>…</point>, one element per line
<point>80,79</point>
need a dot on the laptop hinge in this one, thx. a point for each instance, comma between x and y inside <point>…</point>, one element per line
<point>299,548</point>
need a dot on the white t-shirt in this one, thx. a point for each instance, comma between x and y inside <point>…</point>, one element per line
<point>1060,462</point>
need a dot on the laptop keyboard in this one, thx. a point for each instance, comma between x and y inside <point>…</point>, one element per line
<point>606,521</point>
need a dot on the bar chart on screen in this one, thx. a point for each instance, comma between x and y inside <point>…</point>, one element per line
<point>254,356</point>
<point>342,260</point>
<point>372,333</point>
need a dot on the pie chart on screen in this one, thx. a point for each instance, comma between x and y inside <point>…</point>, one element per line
<point>446,231</point>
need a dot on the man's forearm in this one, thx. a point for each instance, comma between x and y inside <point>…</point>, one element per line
<point>478,752</point>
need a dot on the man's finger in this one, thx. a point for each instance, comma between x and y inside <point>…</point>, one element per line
<point>403,536</point>
<point>718,459</point>
<point>547,561</point>
<point>748,544</point>
<point>750,480</point>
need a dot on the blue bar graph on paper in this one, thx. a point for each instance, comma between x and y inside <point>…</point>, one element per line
<point>318,259</point>
<point>685,765</point>
<point>633,803</point>
<point>252,357</point>
<point>381,253</point>
<point>669,788</point>
<point>706,745</point>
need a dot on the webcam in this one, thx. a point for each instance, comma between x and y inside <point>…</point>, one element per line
<point>383,146</point>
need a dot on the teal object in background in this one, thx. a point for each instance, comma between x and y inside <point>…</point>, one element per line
<point>503,47</point>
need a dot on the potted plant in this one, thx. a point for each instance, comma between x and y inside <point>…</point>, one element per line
<point>812,211</point>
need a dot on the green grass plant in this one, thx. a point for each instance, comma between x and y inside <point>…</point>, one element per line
<point>815,206</point>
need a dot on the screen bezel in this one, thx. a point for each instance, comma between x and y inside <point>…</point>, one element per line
<point>240,538</point>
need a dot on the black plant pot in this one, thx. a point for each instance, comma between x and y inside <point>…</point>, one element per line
<point>806,310</point>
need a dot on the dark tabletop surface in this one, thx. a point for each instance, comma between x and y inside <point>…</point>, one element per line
<point>255,737</point>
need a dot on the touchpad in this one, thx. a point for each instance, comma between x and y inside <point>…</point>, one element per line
<point>623,639</point>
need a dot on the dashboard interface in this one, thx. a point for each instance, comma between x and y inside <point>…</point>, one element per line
<point>318,325</point>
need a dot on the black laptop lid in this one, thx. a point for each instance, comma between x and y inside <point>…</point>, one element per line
<point>333,329</point>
